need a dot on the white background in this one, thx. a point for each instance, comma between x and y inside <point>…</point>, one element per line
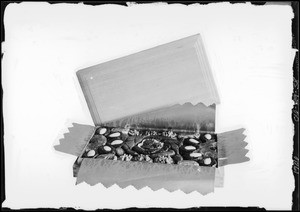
<point>249,49</point>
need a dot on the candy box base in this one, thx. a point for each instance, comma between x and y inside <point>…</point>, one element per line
<point>152,146</point>
<point>187,178</point>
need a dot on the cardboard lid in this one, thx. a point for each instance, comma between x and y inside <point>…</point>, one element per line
<point>163,76</point>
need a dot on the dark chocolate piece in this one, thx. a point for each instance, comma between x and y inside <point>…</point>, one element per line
<point>166,153</point>
<point>98,139</point>
<point>128,150</point>
<point>177,158</point>
<point>140,150</point>
<point>130,141</point>
<point>104,149</point>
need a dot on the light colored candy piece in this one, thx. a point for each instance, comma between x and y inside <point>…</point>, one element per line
<point>207,161</point>
<point>208,136</point>
<point>194,141</point>
<point>102,131</point>
<point>91,153</point>
<point>120,151</point>
<point>113,135</point>
<point>190,147</point>
<point>196,154</point>
<point>116,142</point>
<point>107,148</point>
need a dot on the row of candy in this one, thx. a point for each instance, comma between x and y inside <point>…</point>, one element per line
<point>153,146</point>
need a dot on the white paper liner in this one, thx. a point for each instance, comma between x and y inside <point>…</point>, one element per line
<point>74,141</point>
<point>154,175</point>
<point>231,149</point>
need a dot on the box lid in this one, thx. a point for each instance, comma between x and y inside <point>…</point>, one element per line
<point>163,76</point>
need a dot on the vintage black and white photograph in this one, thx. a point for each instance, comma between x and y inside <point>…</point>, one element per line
<point>148,105</point>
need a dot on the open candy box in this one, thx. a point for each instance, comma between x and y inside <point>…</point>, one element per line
<point>153,146</point>
<point>154,122</point>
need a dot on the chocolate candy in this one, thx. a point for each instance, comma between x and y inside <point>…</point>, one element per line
<point>116,143</point>
<point>119,151</point>
<point>166,146</point>
<point>167,153</point>
<point>114,135</point>
<point>91,153</point>
<point>128,151</point>
<point>104,149</point>
<point>150,145</point>
<point>191,141</point>
<point>195,155</point>
<point>175,148</point>
<point>186,149</point>
<point>207,136</point>
<point>189,148</point>
<point>177,158</point>
<point>207,161</point>
<point>98,139</point>
<point>130,141</point>
<point>140,150</point>
<point>103,131</point>
<point>178,142</point>
<point>91,146</point>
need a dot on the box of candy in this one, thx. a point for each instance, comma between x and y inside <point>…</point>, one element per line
<point>153,146</point>
<point>154,121</point>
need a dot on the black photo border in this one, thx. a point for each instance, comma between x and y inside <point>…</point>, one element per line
<point>294,110</point>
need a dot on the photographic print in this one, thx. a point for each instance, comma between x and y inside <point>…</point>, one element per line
<point>158,105</point>
<point>180,136</point>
